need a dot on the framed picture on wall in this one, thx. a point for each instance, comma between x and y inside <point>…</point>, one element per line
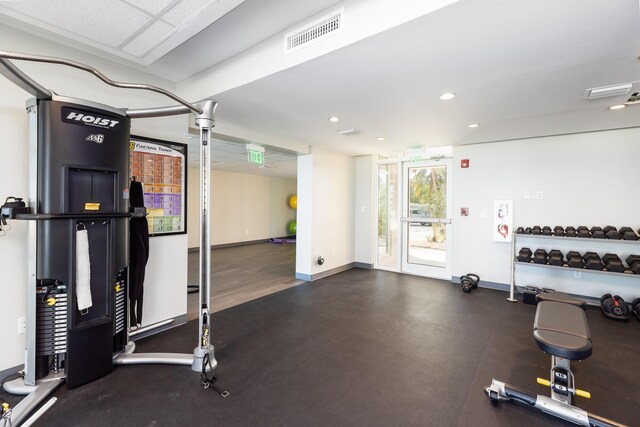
<point>161,168</point>
<point>502,220</point>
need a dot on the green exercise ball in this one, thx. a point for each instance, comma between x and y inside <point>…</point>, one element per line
<point>292,227</point>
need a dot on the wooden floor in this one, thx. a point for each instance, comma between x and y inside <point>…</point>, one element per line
<point>244,273</point>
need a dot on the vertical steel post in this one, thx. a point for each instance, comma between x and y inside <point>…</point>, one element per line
<point>30,344</point>
<point>205,122</point>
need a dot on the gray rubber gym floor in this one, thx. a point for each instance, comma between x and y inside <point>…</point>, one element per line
<point>360,348</point>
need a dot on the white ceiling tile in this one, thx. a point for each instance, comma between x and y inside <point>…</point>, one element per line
<point>185,9</point>
<point>103,21</point>
<point>147,39</point>
<point>106,25</point>
<point>151,6</point>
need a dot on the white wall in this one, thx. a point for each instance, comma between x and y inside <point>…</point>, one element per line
<point>326,191</point>
<point>165,282</point>
<point>13,249</point>
<point>14,178</point>
<point>365,205</point>
<point>586,179</point>
<point>244,207</point>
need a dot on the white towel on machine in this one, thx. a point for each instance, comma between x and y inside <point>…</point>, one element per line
<point>83,270</point>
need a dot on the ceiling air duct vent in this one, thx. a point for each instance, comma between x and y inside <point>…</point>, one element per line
<point>349,132</point>
<point>634,99</point>
<point>317,30</point>
<point>607,91</point>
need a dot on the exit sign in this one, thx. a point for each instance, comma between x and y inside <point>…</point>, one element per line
<point>255,154</point>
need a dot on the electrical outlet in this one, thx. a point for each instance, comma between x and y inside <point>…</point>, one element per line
<point>22,325</point>
<point>526,195</point>
<point>539,195</point>
<point>577,274</point>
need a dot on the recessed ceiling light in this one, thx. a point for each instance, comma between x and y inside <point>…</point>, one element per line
<point>617,107</point>
<point>474,125</point>
<point>380,138</point>
<point>447,96</point>
<point>334,119</point>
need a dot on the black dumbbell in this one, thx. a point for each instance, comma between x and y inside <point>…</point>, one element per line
<point>556,257</point>
<point>546,231</point>
<point>613,235</point>
<point>558,230</point>
<point>574,259</point>
<point>524,255</point>
<point>611,232</point>
<point>536,230</point>
<point>520,230</point>
<point>612,262</point>
<point>583,231</point>
<point>570,232</point>
<point>634,263</point>
<point>540,256</point>
<point>597,233</point>
<point>592,261</point>
<point>627,233</point>
<point>527,230</point>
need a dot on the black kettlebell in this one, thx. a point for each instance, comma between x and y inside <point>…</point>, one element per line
<point>614,307</point>
<point>635,307</point>
<point>469,281</point>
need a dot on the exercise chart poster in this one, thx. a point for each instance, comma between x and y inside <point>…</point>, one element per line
<point>161,167</point>
<point>502,220</point>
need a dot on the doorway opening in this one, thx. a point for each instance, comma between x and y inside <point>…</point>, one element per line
<point>414,217</point>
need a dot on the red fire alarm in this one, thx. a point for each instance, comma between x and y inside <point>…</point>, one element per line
<point>464,163</point>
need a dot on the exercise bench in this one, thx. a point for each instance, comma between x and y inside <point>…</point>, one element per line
<point>561,330</point>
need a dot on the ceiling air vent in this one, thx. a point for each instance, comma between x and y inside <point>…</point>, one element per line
<point>607,91</point>
<point>634,99</point>
<point>349,132</point>
<point>317,30</point>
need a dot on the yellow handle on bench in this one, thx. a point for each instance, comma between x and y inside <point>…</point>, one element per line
<point>581,393</point>
<point>544,382</point>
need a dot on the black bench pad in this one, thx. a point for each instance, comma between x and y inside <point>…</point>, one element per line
<point>562,330</point>
<point>560,297</point>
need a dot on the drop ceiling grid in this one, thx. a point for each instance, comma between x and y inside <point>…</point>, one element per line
<point>131,27</point>
<point>152,7</point>
<point>89,19</point>
<point>164,23</point>
<point>185,9</point>
<point>147,39</point>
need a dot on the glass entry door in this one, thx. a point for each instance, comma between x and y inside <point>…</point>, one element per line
<point>426,218</point>
<point>388,233</point>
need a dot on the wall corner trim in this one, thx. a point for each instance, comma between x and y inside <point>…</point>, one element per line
<point>312,277</point>
<point>364,265</point>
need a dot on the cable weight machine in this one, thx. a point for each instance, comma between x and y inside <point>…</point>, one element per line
<point>78,172</point>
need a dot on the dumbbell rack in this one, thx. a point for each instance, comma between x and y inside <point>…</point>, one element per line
<point>584,242</point>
